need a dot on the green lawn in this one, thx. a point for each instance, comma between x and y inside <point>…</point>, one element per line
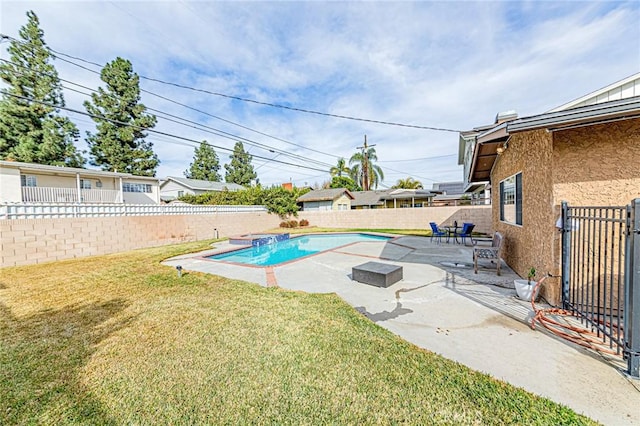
<point>121,339</point>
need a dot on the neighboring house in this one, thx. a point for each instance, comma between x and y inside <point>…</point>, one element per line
<point>392,199</point>
<point>38,183</point>
<point>368,199</point>
<point>175,187</point>
<point>586,155</point>
<point>408,198</point>
<point>477,156</point>
<point>326,199</point>
<point>453,194</point>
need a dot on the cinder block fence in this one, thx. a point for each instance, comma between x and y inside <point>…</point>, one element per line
<point>29,241</point>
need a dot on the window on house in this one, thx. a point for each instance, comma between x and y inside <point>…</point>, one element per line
<point>136,187</point>
<point>180,193</point>
<point>28,180</point>
<point>98,184</point>
<point>85,184</point>
<point>511,199</point>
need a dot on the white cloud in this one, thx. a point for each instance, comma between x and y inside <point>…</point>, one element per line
<point>442,64</point>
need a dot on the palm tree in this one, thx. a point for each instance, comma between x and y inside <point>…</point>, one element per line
<point>408,183</point>
<point>340,168</point>
<point>363,171</point>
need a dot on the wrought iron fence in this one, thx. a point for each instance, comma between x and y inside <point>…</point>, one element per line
<point>601,274</point>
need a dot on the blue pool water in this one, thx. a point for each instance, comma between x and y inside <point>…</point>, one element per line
<point>293,248</point>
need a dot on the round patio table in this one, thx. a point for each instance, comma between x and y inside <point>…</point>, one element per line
<point>452,231</point>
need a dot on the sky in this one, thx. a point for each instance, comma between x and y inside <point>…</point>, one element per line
<point>410,75</point>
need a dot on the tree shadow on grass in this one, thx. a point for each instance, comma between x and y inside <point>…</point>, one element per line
<point>41,361</point>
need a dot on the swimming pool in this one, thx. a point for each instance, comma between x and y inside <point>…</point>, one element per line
<point>293,248</point>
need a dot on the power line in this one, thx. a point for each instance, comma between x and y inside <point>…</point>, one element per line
<point>183,105</point>
<point>150,130</point>
<point>418,159</point>
<point>202,127</point>
<point>237,98</point>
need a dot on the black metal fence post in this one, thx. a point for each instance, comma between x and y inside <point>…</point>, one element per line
<point>566,252</point>
<point>632,293</point>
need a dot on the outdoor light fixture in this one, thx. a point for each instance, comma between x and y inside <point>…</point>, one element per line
<point>179,268</point>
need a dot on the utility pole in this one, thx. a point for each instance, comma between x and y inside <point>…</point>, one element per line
<point>365,164</point>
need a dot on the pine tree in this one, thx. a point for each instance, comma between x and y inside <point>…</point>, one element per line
<point>240,170</point>
<point>119,144</point>
<point>205,164</point>
<point>31,129</point>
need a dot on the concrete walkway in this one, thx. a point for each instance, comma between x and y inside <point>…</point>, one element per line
<point>442,306</point>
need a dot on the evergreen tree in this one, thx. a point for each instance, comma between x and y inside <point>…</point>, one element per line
<point>205,164</point>
<point>31,129</point>
<point>240,170</point>
<point>119,144</point>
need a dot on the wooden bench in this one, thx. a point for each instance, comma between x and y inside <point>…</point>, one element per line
<point>377,274</point>
<point>493,253</point>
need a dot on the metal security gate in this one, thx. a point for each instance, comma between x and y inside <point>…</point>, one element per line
<point>601,274</point>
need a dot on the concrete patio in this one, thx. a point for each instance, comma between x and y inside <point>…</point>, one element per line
<point>442,306</point>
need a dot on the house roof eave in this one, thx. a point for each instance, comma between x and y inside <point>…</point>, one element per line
<point>63,170</point>
<point>622,109</point>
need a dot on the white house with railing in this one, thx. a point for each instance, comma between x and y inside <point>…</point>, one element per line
<point>38,183</point>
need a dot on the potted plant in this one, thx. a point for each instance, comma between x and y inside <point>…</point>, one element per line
<point>524,288</point>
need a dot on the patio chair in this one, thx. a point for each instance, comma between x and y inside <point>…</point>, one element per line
<point>493,253</point>
<point>437,232</point>
<point>465,233</point>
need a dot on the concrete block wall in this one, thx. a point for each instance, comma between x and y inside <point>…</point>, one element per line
<point>29,241</point>
<point>409,218</point>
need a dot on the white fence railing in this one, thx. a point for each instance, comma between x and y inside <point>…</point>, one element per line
<point>49,210</point>
<point>43,194</point>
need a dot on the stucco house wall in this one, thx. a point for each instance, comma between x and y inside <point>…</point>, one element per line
<point>597,165</point>
<point>535,243</point>
<point>593,165</point>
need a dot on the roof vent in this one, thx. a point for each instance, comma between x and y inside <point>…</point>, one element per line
<point>506,116</point>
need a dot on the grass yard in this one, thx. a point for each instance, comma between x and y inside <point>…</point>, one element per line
<point>120,339</point>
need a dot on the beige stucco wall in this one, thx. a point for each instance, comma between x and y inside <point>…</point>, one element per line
<point>594,165</point>
<point>536,242</point>
<point>28,241</point>
<point>597,165</point>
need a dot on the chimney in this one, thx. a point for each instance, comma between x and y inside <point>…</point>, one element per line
<point>501,117</point>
